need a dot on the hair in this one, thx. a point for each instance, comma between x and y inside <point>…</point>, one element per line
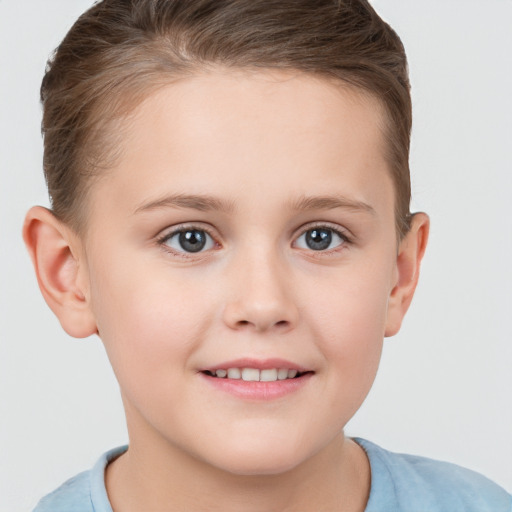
<point>119,51</point>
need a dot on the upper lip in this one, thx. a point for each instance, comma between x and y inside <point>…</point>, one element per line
<point>259,364</point>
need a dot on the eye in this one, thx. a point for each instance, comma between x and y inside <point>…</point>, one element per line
<point>188,240</point>
<point>320,239</point>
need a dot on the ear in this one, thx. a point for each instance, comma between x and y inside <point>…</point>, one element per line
<point>55,251</point>
<point>410,253</point>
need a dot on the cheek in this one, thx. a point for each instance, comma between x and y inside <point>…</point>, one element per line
<point>349,324</point>
<point>351,311</point>
<point>147,321</point>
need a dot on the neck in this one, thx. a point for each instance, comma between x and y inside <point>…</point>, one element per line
<point>337,478</point>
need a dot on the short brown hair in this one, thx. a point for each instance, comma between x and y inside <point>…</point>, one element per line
<point>119,50</point>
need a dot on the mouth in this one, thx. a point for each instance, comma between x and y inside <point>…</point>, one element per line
<point>249,374</point>
<point>257,379</point>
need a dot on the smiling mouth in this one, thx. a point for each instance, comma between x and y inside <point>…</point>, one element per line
<point>256,375</point>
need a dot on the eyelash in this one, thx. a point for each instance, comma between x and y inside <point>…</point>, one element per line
<point>163,239</point>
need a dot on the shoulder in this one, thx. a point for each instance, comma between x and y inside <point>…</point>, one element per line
<point>407,482</point>
<point>74,495</point>
<point>84,492</point>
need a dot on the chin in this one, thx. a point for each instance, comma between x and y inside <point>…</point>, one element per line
<point>259,467</point>
<point>259,460</point>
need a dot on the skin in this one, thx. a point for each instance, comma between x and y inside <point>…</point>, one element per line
<point>258,144</point>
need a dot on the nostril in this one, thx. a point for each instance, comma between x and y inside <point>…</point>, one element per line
<point>281,323</point>
<point>260,312</point>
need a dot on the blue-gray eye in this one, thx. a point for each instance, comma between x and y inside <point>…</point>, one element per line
<point>319,239</point>
<point>190,240</point>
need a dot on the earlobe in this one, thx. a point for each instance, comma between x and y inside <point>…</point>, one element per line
<point>411,251</point>
<point>53,249</point>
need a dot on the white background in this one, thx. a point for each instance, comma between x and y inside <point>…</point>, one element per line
<point>445,383</point>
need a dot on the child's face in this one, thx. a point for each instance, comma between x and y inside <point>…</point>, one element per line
<point>284,257</point>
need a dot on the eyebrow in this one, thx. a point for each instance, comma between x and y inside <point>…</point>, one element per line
<point>331,202</point>
<point>202,203</point>
<point>206,203</point>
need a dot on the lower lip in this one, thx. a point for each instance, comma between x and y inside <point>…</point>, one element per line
<point>257,390</point>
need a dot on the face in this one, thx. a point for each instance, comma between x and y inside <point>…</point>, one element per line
<point>246,231</point>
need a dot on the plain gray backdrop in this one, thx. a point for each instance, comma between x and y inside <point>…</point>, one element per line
<point>445,382</point>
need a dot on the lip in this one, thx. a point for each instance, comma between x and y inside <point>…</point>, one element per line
<point>257,390</point>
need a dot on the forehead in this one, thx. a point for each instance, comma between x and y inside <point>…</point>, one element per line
<point>245,135</point>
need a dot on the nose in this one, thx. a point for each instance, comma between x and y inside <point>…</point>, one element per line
<point>261,295</point>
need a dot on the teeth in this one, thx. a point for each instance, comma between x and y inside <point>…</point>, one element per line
<point>268,375</point>
<point>254,375</point>
<point>234,373</point>
<point>250,374</point>
<point>282,373</point>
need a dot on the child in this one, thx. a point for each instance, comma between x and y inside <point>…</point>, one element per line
<point>230,214</point>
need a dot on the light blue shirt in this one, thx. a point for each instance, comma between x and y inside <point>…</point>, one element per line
<point>399,483</point>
